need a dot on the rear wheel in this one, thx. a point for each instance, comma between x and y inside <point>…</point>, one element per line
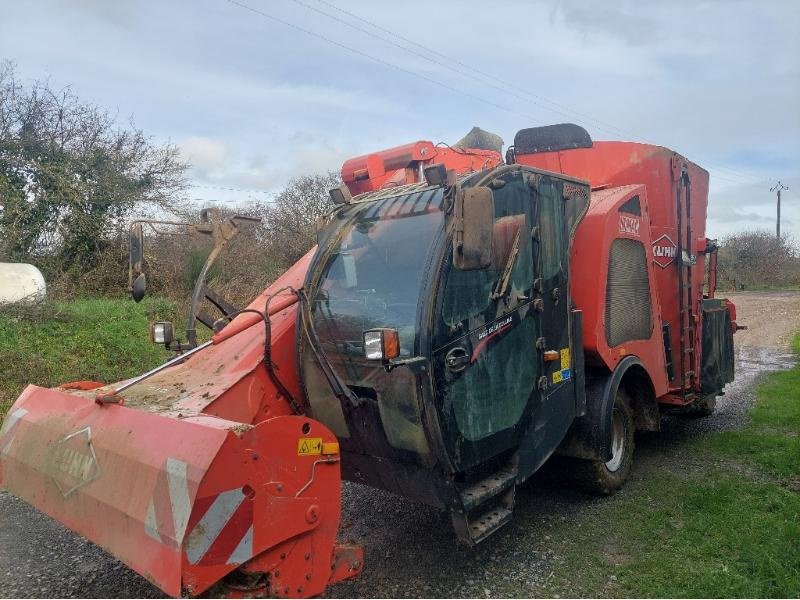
<point>606,477</point>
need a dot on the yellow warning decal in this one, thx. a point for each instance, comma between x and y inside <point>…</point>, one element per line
<point>330,448</point>
<point>565,358</point>
<point>561,375</point>
<point>307,446</point>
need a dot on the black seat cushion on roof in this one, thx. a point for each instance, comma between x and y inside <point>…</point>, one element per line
<point>551,138</point>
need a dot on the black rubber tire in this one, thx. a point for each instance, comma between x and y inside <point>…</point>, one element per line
<point>594,475</point>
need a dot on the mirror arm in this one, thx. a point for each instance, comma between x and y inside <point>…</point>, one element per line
<point>458,219</point>
<point>415,364</point>
<point>222,233</point>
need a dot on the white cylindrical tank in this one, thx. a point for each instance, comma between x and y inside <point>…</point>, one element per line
<point>20,282</point>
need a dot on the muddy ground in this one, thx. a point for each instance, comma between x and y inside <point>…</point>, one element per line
<point>410,548</point>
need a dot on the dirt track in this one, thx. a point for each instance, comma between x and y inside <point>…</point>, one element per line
<point>770,317</point>
<point>410,548</point>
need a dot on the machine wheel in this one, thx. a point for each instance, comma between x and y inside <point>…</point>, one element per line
<point>607,477</point>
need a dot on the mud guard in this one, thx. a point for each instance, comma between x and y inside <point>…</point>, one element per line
<point>589,437</point>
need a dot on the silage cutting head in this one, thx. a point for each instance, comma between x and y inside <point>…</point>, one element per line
<point>178,484</point>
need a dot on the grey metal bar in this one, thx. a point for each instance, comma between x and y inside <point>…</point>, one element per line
<point>159,368</point>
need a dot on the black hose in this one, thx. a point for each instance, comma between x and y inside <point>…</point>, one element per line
<point>268,365</point>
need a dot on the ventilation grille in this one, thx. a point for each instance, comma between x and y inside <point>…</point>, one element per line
<point>628,315</point>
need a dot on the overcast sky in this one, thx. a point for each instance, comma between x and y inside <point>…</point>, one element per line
<point>253,101</point>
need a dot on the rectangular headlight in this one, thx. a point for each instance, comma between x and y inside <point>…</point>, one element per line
<point>161,333</point>
<point>381,344</point>
<point>373,345</point>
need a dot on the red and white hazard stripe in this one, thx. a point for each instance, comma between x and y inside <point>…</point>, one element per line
<point>169,508</point>
<point>220,530</point>
<point>7,431</point>
<point>223,531</point>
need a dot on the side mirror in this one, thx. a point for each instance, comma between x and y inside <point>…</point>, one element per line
<point>136,285</point>
<point>474,225</point>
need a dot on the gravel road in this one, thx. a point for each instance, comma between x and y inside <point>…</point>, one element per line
<point>410,548</point>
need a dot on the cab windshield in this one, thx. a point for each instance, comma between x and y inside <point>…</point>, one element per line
<point>374,275</point>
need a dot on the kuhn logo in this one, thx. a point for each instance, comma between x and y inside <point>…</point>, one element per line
<point>73,462</point>
<point>664,251</point>
<point>629,225</point>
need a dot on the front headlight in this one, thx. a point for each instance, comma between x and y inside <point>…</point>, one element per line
<point>161,333</point>
<point>381,344</point>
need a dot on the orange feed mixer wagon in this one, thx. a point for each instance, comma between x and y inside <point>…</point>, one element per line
<point>461,319</point>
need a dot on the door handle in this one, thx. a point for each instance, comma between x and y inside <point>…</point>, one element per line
<point>457,359</point>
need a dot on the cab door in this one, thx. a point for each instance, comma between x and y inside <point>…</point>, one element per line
<point>494,389</point>
<point>484,347</point>
<point>557,212</point>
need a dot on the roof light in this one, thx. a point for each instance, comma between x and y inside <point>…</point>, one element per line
<point>436,174</point>
<point>340,195</point>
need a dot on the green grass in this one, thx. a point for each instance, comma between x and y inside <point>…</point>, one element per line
<point>99,339</point>
<point>725,527</point>
<point>719,536</point>
<point>772,440</point>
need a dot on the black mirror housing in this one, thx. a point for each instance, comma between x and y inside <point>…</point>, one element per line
<point>136,278</point>
<point>138,287</point>
<point>474,226</point>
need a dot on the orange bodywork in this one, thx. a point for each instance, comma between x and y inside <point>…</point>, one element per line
<point>207,473</point>
<point>404,164</point>
<point>655,174</point>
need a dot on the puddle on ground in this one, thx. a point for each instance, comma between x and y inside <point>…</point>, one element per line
<point>752,361</point>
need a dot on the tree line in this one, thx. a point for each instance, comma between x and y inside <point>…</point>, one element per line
<point>72,179</point>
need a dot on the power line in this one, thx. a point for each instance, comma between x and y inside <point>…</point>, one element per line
<point>433,60</point>
<point>230,201</point>
<point>571,113</point>
<point>375,58</point>
<point>229,189</point>
<point>398,67</point>
<point>530,95</point>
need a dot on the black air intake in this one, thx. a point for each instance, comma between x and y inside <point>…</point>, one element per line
<point>551,138</point>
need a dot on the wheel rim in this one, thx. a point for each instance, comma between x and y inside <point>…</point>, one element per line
<point>617,442</point>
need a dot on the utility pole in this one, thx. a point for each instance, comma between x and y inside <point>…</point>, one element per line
<point>777,188</point>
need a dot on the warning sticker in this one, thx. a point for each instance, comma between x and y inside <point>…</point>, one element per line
<point>561,375</point>
<point>306,446</point>
<point>565,358</point>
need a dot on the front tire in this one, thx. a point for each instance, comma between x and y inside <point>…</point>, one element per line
<point>606,477</point>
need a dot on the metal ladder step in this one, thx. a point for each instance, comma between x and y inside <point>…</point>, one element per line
<point>486,505</point>
<point>484,490</point>
<point>485,524</point>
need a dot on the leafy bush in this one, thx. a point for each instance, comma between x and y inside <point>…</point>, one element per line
<point>757,260</point>
<point>70,177</point>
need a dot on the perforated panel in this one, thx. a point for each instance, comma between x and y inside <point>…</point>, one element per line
<point>628,314</point>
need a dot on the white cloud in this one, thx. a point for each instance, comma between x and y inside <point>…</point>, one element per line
<point>257,102</point>
<point>205,155</point>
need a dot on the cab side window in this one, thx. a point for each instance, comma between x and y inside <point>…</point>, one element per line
<point>468,294</point>
<point>551,235</point>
